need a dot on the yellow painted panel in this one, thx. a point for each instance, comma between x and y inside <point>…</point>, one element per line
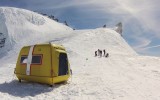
<point>43,69</point>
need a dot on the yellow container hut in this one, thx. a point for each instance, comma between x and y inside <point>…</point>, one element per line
<point>43,63</point>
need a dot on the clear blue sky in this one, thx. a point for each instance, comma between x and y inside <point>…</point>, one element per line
<point>140,18</point>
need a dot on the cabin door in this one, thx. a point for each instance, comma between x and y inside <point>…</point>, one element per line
<point>63,64</point>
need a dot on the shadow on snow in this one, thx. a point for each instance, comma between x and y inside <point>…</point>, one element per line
<point>25,88</point>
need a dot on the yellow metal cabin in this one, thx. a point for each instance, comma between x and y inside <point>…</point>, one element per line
<point>43,63</point>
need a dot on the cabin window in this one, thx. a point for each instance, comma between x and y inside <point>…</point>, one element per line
<point>23,59</point>
<point>36,59</point>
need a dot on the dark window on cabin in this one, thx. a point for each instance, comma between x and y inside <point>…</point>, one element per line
<point>63,64</point>
<point>23,60</point>
<point>36,59</point>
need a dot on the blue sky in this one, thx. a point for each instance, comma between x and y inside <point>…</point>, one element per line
<point>140,18</point>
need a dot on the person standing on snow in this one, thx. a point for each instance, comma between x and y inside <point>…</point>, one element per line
<point>95,53</point>
<point>104,51</point>
<point>100,53</point>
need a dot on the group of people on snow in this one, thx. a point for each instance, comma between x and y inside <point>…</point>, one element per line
<point>101,53</point>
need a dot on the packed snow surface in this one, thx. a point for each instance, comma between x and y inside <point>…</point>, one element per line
<point>124,75</point>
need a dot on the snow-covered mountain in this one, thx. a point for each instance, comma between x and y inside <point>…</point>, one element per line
<point>19,26</point>
<point>124,75</point>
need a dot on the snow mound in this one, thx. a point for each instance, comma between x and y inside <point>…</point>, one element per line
<point>19,26</point>
<point>86,42</point>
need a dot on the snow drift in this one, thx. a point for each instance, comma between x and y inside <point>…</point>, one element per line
<point>124,75</point>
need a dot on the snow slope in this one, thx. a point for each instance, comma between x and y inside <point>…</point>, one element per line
<point>20,27</point>
<point>124,75</point>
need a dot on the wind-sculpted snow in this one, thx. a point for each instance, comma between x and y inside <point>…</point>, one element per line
<point>124,75</point>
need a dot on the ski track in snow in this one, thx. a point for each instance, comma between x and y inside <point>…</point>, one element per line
<point>124,75</point>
